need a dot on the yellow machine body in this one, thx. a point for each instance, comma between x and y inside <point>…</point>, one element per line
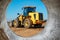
<point>34,16</point>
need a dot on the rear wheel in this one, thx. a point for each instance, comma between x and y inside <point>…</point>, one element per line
<point>27,23</point>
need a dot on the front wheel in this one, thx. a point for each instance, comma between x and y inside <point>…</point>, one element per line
<point>27,23</point>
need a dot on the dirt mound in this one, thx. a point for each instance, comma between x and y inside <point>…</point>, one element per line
<point>26,32</point>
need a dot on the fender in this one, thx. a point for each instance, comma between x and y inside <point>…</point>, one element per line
<point>50,32</point>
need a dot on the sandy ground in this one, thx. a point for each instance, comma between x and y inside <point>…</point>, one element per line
<point>26,32</point>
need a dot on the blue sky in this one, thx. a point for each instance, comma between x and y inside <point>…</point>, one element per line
<point>16,6</point>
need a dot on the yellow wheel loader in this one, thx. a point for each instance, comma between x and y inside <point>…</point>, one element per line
<point>30,18</point>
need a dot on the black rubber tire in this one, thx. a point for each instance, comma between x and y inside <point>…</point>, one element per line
<point>29,23</point>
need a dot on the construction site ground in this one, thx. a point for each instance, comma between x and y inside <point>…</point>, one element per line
<point>23,32</point>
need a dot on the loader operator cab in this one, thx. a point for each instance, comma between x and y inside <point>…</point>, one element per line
<point>26,10</point>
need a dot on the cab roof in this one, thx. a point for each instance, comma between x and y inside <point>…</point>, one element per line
<point>29,7</point>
